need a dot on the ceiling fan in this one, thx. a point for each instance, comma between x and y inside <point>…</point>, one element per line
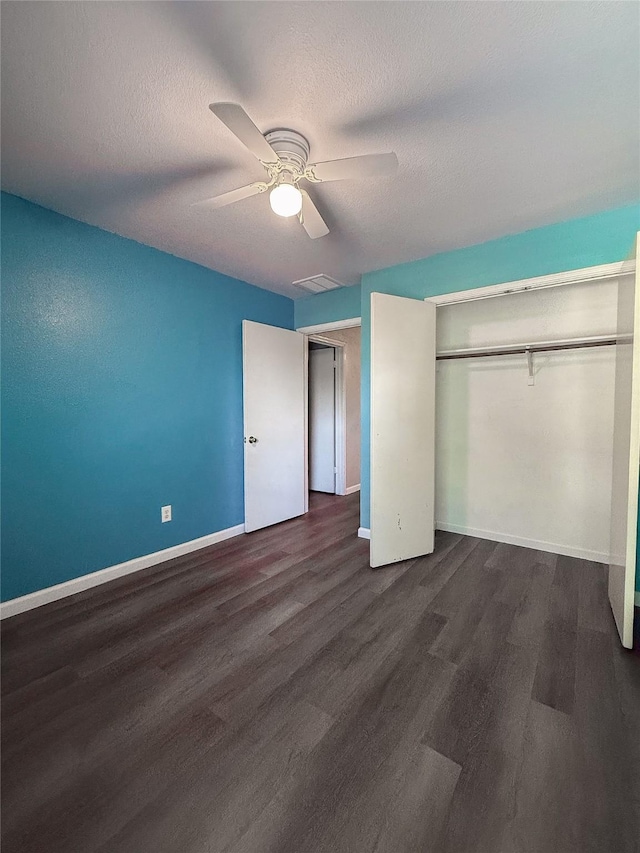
<point>284,155</point>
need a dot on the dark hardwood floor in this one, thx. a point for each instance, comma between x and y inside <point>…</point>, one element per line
<point>273,694</point>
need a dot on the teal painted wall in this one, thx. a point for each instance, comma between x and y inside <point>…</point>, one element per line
<point>121,392</point>
<point>600,239</point>
<point>342,304</point>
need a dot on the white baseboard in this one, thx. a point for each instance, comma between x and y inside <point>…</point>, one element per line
<point>364,533</point>
<point>351,489</point>
<point>71,587</point>
<point>508,539</point>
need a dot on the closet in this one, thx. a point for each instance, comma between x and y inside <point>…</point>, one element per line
<point>524,418</point>
<point>322,418</point>
<point>511,413</point>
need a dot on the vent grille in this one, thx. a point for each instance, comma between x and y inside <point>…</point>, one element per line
<point>317,283</point>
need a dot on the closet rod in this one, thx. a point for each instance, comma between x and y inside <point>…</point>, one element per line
<point>523,349</point>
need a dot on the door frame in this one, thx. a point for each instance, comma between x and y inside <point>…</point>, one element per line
<point>340,412</point>
<point>321,334</point>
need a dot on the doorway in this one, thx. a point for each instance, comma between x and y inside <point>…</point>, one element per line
<point>323,392</point>
<point>275,418</point>
<point>333,425</point>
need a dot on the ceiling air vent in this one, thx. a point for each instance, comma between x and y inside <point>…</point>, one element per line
<point>318,283</point>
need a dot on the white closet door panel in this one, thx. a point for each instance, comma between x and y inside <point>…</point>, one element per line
<point>626,455</point>
<point>274,424</point>
<point>322,420</point>
<point>403,347</point>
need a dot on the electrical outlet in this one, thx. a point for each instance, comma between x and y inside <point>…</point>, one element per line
<point>166,513</point>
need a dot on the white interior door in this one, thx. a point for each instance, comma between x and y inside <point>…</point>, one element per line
<point>403,372</point>
<point>274,391</point>
<point>322,420</point>
<point>626,455</point>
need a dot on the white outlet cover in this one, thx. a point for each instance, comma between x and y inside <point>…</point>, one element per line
<point>166,513</point>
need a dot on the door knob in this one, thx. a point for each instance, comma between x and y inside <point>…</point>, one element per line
<point>252,439</point>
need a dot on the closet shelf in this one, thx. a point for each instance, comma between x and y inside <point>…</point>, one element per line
<point>536,346</point>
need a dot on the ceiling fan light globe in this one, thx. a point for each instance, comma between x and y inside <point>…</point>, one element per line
<point>285,200</point>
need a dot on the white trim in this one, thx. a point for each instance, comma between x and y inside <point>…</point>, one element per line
<point>508,539</point>
<point>75,585</point>
<point>364,533</point>
<point>306,425</point>
<point>630,562</point>
<point>351,489</point>
<point>597,273</point>
<point>334,325</point>
<point>329,342</point>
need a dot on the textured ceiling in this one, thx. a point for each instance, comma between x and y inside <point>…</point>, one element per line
<point>504,116</point>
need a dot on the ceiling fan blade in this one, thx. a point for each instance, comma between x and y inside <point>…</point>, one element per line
<point>366,166</point>
<point>312,222</point>
<point>232,195</point>
<point>241,125</point>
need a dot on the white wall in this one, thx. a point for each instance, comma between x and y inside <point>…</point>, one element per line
<point>352,389</point>
<point>528,464</point>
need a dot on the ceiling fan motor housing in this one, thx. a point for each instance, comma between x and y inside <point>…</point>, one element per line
<point>291,147</point>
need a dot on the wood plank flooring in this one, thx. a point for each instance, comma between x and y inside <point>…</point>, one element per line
<point>273,694</point>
